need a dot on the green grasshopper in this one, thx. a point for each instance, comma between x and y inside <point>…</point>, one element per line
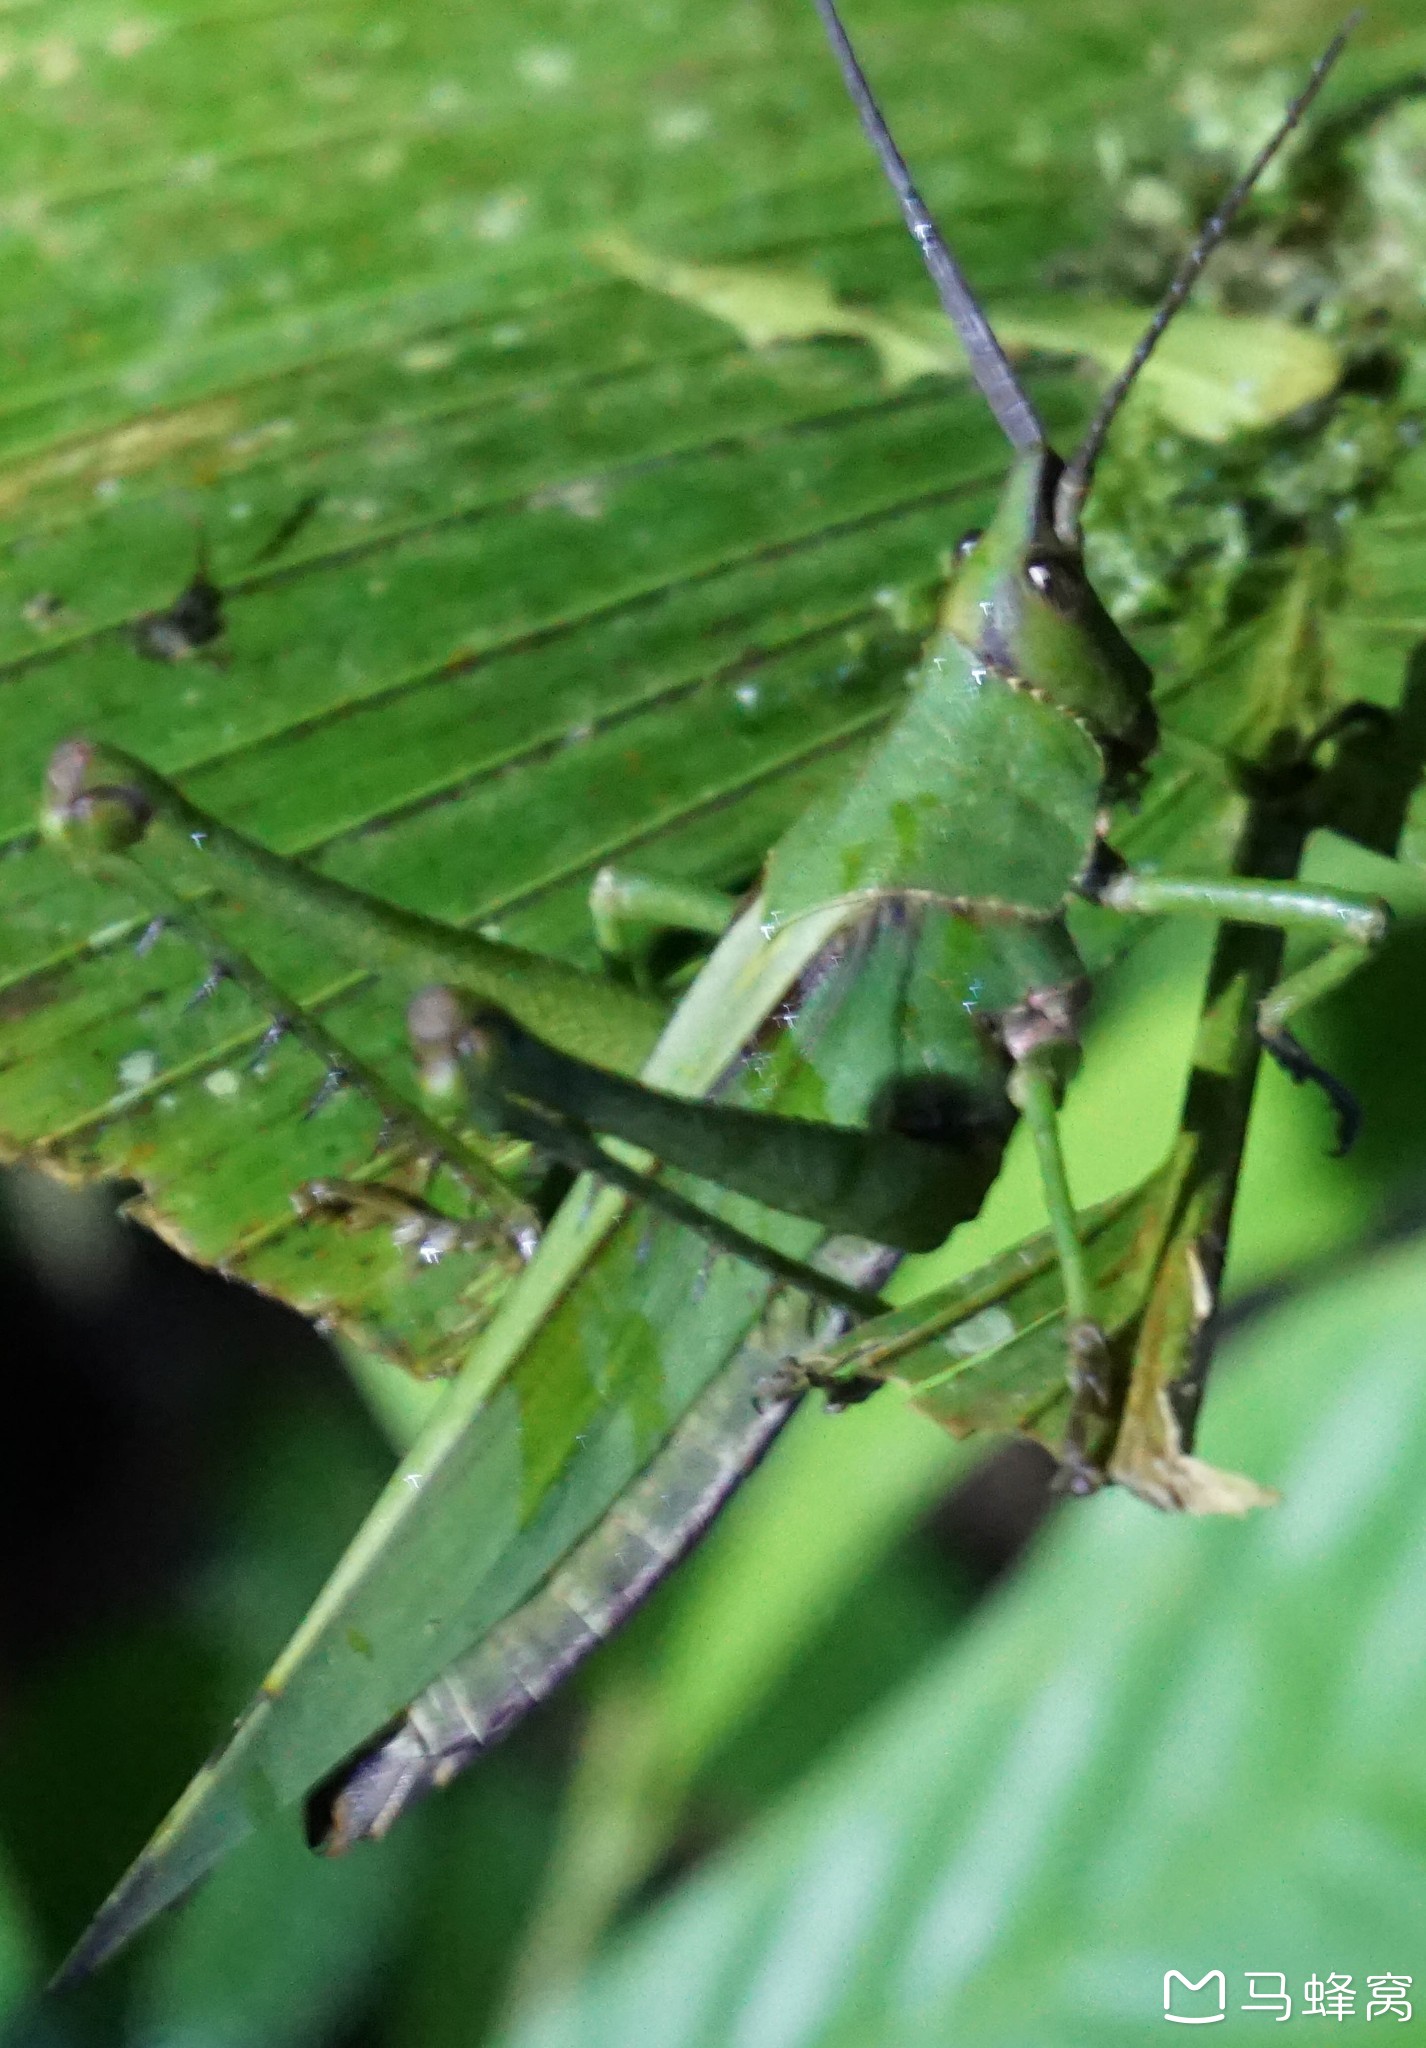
<point>850,1062</point>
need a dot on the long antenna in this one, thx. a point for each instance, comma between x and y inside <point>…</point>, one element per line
<point>1079,473</point>
<point>989,363</point>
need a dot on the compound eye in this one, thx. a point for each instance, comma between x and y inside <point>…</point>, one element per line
<point>968,542</point>
<point>1053,581</point>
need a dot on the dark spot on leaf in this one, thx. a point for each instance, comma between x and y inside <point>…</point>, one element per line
<point>193,620</point>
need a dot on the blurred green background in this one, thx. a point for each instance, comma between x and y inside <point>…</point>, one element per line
<point>890,1761</point>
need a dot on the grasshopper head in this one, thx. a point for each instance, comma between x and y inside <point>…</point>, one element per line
<point>1022,601</point>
